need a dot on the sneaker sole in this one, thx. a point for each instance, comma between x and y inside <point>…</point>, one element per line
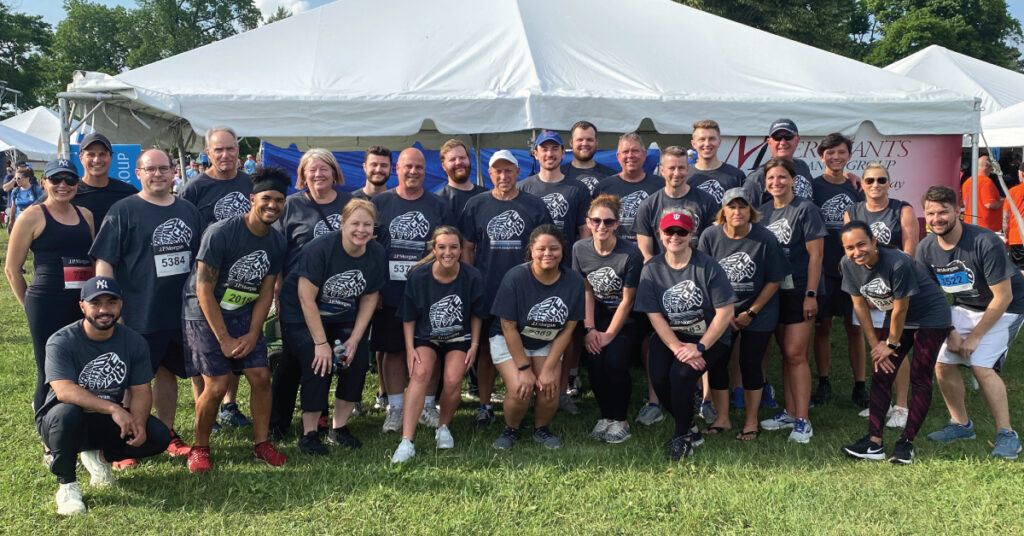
<point>948,441</point>
<point>773,426</point>
<point>896,461</point>
<point>617,440</point>
<point>802,441</point>
<point>877,456</point>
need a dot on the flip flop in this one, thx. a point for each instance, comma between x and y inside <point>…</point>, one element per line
<point>713,430</point>
<point>748,436</point>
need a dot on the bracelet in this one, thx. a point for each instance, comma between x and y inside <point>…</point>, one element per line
<point>524,367</point>
<point>319,343</point>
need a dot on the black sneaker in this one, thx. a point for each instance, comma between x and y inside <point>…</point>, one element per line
<point>343,438</point>
<point>860,397</point>
<point>310,444</point>
<point>903,453</point>
<point>865,449</point>
<point>679,448</point>
<point>544,436</point>
<point>694,437</point>
<point>507,438</point>
<point>823,394</point>
<point>484,417</point>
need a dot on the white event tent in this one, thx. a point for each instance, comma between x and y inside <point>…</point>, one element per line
<point>408,70</point>
<point>33,148</point>
<point>40,122</point>
<point>1004,128</point>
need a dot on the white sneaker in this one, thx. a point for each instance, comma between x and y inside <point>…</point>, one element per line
<point>69,500</point>
<point>781,420</point>
<point>98,470</point>
<point>430,416</point>
<point>600,428</point>
<point>864,413</point>
<point>404,452</point>
<point>802,431</point>
<point>617,433</point>
<point>393,420</point>
<point>444,438</point>
<point>898,417</point>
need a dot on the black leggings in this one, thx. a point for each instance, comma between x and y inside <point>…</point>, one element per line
<point>752,345</point>
<point>609,370</point>
<point>675,383</point>
<point>68,430</point>
<point>47,312</point>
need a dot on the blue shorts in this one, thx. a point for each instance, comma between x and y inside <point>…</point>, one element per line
<point>167,349</point>
<point>203,354</point>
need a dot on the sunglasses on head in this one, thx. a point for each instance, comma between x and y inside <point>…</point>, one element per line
<point>608,222</point>
<point>872,180</point>
<point>675,231</point>
<point>68,179</point>
<point>779,136</point>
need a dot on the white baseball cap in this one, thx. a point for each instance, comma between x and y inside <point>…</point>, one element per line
<point>503,154</point>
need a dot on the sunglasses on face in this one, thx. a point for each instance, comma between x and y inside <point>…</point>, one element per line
<point>879,180</point>
<point>779,136</point>
<point>70,180</point>
<point>608,222</point>
<point>675,231</point>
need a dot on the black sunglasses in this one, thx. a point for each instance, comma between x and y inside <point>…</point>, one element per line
<point>786,136</point>
<point>677,231</point>
<point>608,222</point>
<point>879,180</point>
<point>70,180</point>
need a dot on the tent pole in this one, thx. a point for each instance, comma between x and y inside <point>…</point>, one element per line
<point>64,145</point>
<point>974,178</point>
<point>479,172</point>
<point>181,157</point>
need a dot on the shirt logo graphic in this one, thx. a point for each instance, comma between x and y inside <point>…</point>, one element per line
<point>557,205</point>
<point>250,269</point>
<point>881,232</point>
<point>321,227</point>
<point>802,187</point>
<point>712,188</point>
<point>879,293</point>
<point>630,204</point>
<point>550,311</point>
<point>606,283</point>
<point>682,297</point>
<point>171,233</point>
<point>232,204</point>
<point>506,226</point>
<point>783,232</point>
<point>738,267</point>
<point>833,209</point>
<point>344,285</point>
<point>104,372</point>
<point>412,225</point>
<point>591,182</point>
<point>446,312</point>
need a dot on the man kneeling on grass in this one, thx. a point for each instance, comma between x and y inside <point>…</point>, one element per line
<point>90,364</point>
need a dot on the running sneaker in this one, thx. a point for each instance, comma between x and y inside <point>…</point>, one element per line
<point>768,396</point>
<point>903,453</point>
<point>310,444</point>
<point>650,414</point>
<point>737,398</point>
<point>497,398</point>
<point>678,448</point>
<point>357,410</point>
<point>266,452</point>
<point>864,413</point>
<point>342,437</point>
<point>865,449</point>
<point>380,403</point>
<point>574,387</point>
<point>69,499</point>
<point>617,433</point>
<point>99,471</point>
<point>507,438</point>
<point>405,451</point>
<point>230,415</point>
<point>1007,445</point>
<point>444,438</point>
<point>802,431</point>
<point>199,460</point>
<point>860,396</point>
<point>695,437</point>
<point>393,420</point>
<point>125,464</point>
<point>430,416</point>
<point>779,421</point>
<point>484,416</point>
<point>47,458</point>
<point>544,436</point>
<point>177,446</point>
<point>897,417</point>
<point>600,428</point>
<point>323,424</point>
<point>952,432</point>
<point>823,394</point>
<point>566,404</point>
<point>708,412</point>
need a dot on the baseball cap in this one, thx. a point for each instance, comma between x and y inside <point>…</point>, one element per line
<point>98,286</point>
<point>60,165</point>
<point>783,124</point>
<point>676,219</point>
<point>21,163</point>
<point>548,135</point>
<point>94,137</point>
<point>734,193</point>
<point>503,154</point>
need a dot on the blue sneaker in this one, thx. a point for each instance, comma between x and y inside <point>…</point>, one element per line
<point>708,412</point>
<point>953,431</point>
<point>780,420</point>
<point>737,398</point>
<point>1007,445</point>
<point>230,415</point>
<point>768,396</point>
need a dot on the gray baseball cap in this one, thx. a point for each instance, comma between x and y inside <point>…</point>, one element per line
<point>734,193</point>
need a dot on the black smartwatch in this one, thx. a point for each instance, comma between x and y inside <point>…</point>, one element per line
<point>892,346</point>
<point>811,294</point>
<point>751,313</point>
<point>588,329</point>
<point>701,348</point>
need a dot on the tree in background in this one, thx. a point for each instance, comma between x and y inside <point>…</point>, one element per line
<point>23,39</point>
<point>280,14</point>
<point>164,28</point>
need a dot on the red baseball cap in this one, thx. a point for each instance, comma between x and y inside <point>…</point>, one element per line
<point>676,219</point>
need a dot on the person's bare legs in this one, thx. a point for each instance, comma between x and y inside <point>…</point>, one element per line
<point>951,385</point>
<point>207,405</point>
<point>797,370</point>
<point>259,401</point>
<point>454,371</point>
<point>993,391</point>
<point>419,382</point>
<point>165,396</point>
<point>544,405</point>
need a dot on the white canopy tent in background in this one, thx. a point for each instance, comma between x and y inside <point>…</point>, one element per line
<point>1004,128</point>
<point>40,122</point>
<point>33,148</point>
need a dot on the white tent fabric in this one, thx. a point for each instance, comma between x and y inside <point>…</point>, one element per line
<point>370,68</point>
<point>998,88</point>
<point>40,122</point>
<point>32,147</point>
<point>1004,128</point>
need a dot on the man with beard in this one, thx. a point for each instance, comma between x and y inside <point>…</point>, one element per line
<point>227,298</point>
<point>709,173</point>
<point>90,365</point>
<point>456,164</point>
<point>783,140</point>
<point>377,166</point>
<point>97,191</point>
<point>147,242</point>
<point>582,167</point>
<point>632,185</point>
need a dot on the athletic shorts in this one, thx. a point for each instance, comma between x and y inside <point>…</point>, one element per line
<point>203,354</point>
<point>877,318</point>
<point>387,334</point>
<point>441,348</point>
<point>1017,256</point>
<point>167,349</point>
<point>991,352</point>
<point>834,302</point>
<point>791,308</point>
<point>500,354</point>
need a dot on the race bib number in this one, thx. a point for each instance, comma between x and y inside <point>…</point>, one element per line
<point>697,328</point>
<point>540,334</point>
<point>399,270</point>
<point>76,272</point>
<point>177,263</point>
<point>954,281</point>
<point>236,299</point>
<point>787,283</point>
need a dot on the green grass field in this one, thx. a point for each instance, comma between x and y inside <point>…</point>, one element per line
<point>768,486</point>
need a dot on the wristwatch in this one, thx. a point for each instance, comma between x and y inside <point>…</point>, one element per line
<point>751,313</point>
<point>811,294</point>
<point>701,348</point>
<point>892,346</point>
<point>588,329</point>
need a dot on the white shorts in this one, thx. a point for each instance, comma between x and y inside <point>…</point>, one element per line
<point>877,318</point>
<point>992,348</point>
<point>499,350</point>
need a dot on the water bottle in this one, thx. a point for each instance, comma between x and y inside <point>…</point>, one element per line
<point>340,352</point>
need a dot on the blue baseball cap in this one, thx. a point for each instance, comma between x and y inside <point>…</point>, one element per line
<point>98,286</point>
<point>548,135</point>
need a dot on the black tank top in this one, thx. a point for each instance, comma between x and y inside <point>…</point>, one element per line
<point>61,254</point>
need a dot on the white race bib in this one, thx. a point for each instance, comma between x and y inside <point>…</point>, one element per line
<point>176,263</point>
<point>398,270</point>
<point>541,334</point>
<point>787,283</point>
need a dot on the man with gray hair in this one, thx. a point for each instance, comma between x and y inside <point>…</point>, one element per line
<point>632,185</point>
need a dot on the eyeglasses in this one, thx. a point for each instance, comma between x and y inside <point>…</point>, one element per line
<point>70,180</point>
<point>675,231</point>
<point>608,222</point>
<point>872,180</point>
<point>779,136</point>
<point>152,170</point>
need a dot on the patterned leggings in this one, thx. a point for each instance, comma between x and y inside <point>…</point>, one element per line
<point>925,343</point>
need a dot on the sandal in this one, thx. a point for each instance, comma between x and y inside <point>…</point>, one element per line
<point>745,435</point>
<point>713,430</point>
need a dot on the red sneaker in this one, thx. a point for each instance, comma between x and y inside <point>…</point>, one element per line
<point>125,464</point>
<point>177,447</point>
<point>199,460</point>
<point>266,452</point>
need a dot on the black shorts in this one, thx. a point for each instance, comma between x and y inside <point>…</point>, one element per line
<point>167,350</point>
<point>387,334</point>
<point>203,354</point>
<point>1017,256</point>
<point>791,308</point>
<point>834,302</point>
<point>442,348</point>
